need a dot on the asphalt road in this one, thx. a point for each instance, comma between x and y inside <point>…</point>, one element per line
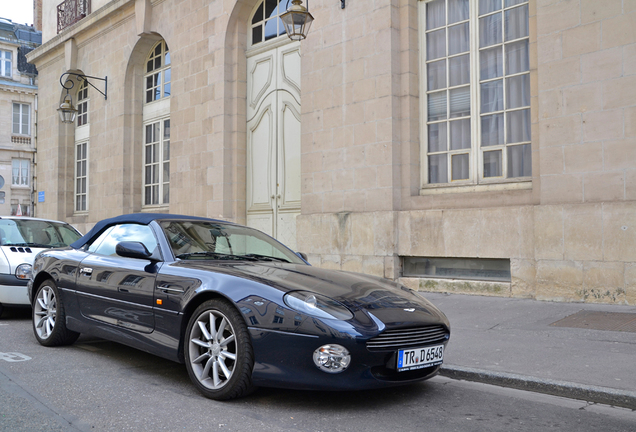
<point>96,385</point>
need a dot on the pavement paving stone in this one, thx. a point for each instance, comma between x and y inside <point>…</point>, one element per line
<point>514,342</point>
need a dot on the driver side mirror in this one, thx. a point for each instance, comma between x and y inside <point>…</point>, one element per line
<point>131,249</point>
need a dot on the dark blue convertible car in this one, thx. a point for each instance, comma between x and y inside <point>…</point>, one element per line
<point>237,307</point>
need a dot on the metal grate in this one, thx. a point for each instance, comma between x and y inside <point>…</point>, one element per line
<point>405,338</point>
<point>597,320</point>
<point>71,11</point>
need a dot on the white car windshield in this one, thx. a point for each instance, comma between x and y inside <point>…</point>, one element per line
<point>36,233</point>
<point>211,240</point>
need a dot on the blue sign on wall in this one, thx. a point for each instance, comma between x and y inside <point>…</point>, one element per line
<point>40,196</point>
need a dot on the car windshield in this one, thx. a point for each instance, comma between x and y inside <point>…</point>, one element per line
<point>215,240</point>
<point>36,233</point>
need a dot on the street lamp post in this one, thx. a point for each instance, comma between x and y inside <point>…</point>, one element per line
<point>66,110</point>
<point>297,20</point>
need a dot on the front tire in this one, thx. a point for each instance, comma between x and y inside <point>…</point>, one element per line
<point>49,317</point>
<point>218,351</point>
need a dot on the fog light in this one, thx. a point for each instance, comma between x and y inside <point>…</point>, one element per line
<point>332,358</point>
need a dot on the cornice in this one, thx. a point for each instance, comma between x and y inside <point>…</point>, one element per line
<point>81,26</point>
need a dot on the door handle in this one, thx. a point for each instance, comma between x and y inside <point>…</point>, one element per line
<point>86,270</point>
<point>168,289</point>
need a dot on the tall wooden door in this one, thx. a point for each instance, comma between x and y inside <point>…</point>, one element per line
<point>273,141</point>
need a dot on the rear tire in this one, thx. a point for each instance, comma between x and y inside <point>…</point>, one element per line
<point>49,317</point>
<point>218,351</point>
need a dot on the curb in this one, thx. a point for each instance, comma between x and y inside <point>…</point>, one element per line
<point>601,395</point>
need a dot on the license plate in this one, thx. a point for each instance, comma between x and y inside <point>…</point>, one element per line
<point>410,359</point>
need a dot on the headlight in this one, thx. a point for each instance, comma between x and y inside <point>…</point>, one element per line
<point>317,305</point>
<point>332,358</point>
<point>23,271</point>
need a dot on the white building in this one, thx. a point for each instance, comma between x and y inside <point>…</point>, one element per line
<point>18,108</point>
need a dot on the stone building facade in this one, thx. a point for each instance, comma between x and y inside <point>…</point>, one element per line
<point>18,114</point>
<point>483,146</point>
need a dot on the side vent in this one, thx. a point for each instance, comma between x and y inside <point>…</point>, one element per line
<point>20,249</point>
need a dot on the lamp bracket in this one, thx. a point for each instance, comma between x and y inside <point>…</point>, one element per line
<point>85,78</point>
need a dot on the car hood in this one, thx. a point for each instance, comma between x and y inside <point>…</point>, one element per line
<point>391,303</point>
<point>17,255</point>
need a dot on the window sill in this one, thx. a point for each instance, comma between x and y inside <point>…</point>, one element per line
<point>159,208</point>
<point>525,184</point>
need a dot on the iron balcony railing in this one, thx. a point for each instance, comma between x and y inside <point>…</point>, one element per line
<point>71,11</point>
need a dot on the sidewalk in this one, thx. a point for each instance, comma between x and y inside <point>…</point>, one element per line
<point>514,343</point>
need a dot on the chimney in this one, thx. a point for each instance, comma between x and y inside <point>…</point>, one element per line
<point>37,14</point>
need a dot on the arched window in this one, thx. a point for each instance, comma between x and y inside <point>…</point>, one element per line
<point>266,23</point>
<point>82,103</point>
<point>156,168</point>
<point>158,73</point>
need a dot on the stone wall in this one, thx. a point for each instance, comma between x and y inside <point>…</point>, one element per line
<point>570,236</point>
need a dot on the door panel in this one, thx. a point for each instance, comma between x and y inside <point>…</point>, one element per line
<point>117,290</point>
<point>290,71</point>
<point>273,142</point>
<point>261,163</point>
<point>289,153</point>
<point>260,75</point>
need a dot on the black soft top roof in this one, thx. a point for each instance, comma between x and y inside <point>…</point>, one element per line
<point>137,218</point>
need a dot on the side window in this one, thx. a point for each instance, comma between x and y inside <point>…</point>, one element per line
<point>95,244</point>
<point>105,243</point>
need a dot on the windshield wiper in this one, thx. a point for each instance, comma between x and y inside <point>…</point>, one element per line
<point>216,255</point>
<point>33,245</point>
<point>265,257</point>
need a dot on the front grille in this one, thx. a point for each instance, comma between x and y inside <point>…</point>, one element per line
<point>406,338</point>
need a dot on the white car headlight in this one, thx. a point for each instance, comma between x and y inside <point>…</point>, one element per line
<point>23,271</point>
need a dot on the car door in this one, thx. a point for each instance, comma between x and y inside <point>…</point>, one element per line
<point>115,289</point>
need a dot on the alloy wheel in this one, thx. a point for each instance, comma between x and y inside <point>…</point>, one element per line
<point>46,309</point>
<point>213,349</point>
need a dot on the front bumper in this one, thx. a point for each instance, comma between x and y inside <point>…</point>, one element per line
<point>285,360</point>
<point>13,291</point>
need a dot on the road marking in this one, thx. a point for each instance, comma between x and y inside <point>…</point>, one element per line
<point>13,357</point>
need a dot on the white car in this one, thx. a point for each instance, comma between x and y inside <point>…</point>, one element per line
<point>21,239</point>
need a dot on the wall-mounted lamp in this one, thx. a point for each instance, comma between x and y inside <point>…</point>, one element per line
<point>342,4</point>
<point>67,110</point>
<point>297,20</point>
